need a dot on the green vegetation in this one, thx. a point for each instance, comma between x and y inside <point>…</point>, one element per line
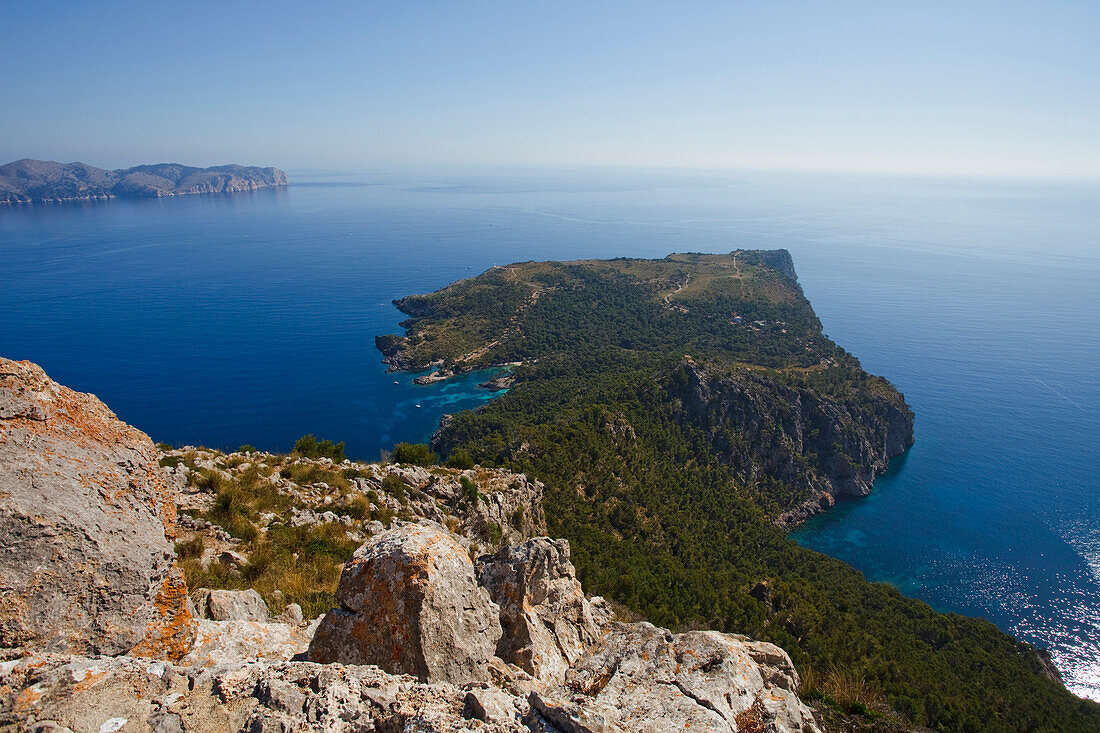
<point>190,549</point>
<point>469,490</point>
<point>395,487</point>
<point>670,505</point>
<point>460,459</point>
<point>308,446</point>
<point>302,563</point>
<point>308,473</point>
<point>417,454</point>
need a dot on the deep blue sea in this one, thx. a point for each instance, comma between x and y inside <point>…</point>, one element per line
<point>223,320</point>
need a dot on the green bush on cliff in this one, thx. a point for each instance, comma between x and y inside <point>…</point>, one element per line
<point>418,454</point>
<point>460,459</point>
<point>308,446</point>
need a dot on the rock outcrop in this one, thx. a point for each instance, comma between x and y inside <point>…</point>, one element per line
<point>76,694</point>
<point>824,446</point>
<point>485,501</point>
<point>86,565</point>
<point>410,604</point>
<point>642,678</point>
<point>561,665</point>
<point>229,642</point>
<point>232,605</point>
<point>548,623</point>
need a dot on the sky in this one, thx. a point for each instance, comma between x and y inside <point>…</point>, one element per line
<point>989,89</point>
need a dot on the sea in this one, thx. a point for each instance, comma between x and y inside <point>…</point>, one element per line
<point>224,320</point>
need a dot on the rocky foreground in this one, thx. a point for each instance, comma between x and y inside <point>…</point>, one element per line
<point>44,181</point>
<point>452,615</point>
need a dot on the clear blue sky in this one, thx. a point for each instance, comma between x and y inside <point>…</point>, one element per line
<point>972,88</point>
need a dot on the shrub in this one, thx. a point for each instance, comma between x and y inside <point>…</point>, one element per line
<point>246,448</point>
<point>305,474</point>
<point>308,446</point>
<point>469,489</point>
<point>417,454</point>
<point>232,512</point>
<point>394,486</point>
<point>384,515</point>
<point>357,507</point>
<point>461,460</point>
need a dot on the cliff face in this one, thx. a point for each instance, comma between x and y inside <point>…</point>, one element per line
<point>779,260</point>
<point>27,181</point>
<point>822,446</point>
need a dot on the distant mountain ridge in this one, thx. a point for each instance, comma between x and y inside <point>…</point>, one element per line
<point>31,181</point>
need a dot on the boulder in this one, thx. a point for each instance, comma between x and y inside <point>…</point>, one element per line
<point>490,705</point>
<point>228,642</point>
<point>547,621</point>
<point>410,604</point>
<point>232,605</point>
<point>699,680</point>
<point>86,518</point>
<point>292,615</point>
<point>570,717</point>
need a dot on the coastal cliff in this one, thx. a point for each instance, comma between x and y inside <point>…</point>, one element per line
<point>816,446</point>
<point>682,413</point>
<point>43,181</point>
<point>795,417</point>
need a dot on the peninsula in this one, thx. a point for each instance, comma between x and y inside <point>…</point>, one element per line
<point>43,181</point>
<point>682,414</point>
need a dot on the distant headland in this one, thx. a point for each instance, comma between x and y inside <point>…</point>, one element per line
<point>43,181</point>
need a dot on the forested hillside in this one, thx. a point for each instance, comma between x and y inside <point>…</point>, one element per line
<point>678,410</point>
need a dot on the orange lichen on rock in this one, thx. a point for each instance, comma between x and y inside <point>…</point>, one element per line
<point>87,517</point>
<point>410,603</point>
<point>171,630</point>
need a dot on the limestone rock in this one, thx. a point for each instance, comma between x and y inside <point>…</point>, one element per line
<point>700,680</point>
<point>824,446</point>
<point>570,717</point>
<point>228,642</point>
<point>548,623</point>
<point>292,615</point>
<point>232,605</point>
<point>490,705</point>
<point>410,603</point>
<point>58,692</point>
<point>86,565</point>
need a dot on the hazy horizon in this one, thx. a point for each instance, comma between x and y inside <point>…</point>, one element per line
<point>1005,90</point>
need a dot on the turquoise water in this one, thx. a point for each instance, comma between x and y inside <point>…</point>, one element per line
<point>251,318</point>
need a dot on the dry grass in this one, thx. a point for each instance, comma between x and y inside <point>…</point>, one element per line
<point>840,688</point>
